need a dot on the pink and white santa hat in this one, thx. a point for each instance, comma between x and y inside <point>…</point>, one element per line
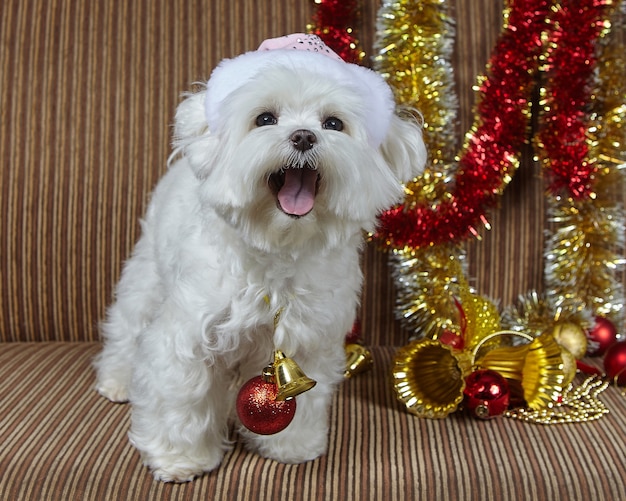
<point>307,52</point>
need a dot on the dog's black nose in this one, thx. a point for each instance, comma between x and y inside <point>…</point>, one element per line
<point>303,139</point>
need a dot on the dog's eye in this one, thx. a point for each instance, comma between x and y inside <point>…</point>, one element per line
<point>333,123</point>
<point>266,118</point>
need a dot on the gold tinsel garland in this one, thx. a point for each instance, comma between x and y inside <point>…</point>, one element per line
<point>584,250</point>
<point>418,67</point>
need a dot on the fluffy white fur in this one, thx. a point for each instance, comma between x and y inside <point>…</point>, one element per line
<point>191,321</point>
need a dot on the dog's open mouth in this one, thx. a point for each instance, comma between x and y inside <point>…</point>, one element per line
<point>295,189</point>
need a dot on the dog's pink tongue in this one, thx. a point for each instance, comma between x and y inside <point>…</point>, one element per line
<point>297,195</point>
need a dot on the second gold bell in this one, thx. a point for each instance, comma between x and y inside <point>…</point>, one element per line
<point>358,359</point>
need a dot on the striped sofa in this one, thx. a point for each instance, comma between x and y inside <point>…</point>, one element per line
<point>87,93</point>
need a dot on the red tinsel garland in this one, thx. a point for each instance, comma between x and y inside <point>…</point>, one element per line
<point>570,58</point>
<point>334,23</point>
<point>490,155</point>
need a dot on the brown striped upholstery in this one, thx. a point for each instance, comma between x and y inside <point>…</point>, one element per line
<point>61,441</point>
<point>87,93</point>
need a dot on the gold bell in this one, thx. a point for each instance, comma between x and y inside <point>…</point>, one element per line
<point>429,378</point>
<point>358,359</point>
<point>537,366</point>
<point>289,378</point>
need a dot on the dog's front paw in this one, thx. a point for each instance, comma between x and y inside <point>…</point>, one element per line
<point>113,390</point>
<point>290,446</point>
<point>176,474</point>
<point>294,452</point>
<point>181,469</point>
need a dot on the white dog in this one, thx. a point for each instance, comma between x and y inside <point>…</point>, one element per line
<point>280,164</point>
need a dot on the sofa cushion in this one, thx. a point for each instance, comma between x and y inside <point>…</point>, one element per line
<point>60,441</point>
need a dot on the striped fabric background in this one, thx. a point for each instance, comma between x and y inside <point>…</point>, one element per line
<point>63,442</point>
<point>88,95</point>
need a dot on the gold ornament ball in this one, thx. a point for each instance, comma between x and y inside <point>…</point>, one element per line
<point>571,337</point>
<point>569,366</point>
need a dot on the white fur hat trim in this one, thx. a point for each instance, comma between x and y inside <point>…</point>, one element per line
<point>306,52</point>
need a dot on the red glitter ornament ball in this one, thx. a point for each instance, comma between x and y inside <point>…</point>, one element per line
<point>486,394</point>
<point>258,409</point>
<point>602,335</point>
<point>615,362</point>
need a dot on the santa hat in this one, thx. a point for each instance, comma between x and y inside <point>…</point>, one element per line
<point>307,52</point>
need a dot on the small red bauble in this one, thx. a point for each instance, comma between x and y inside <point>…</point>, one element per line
<point>615,362</point>
<point>258,409</point>
<point>486,394</point>
<point>602,335</point>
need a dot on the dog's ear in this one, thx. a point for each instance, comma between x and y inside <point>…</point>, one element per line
<point>404,149</point>
<point>190,121</point>
<point>192,138</point>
